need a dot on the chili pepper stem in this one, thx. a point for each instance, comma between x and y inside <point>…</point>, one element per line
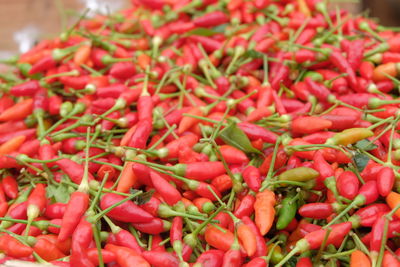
<point>97,240</point>
<point>271,166</point>
<point>356,202</point>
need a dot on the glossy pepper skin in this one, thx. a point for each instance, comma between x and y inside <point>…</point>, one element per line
<point>287,211</point>
<point>126,212</point>
<point>77,206</point>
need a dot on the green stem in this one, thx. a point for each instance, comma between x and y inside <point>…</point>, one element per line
<point>97,240</point>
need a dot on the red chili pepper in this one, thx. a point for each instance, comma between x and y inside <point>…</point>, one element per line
<point>246,207</point>
<point>47,250</point>
<point>125,212</point>
<point>14,248</point>
<point>145,107</point>
<point>74,170</point>
<point>308,125</point>
<point>355,54</point>
<point>304,262</point>
<point>10,187</point>
<point>385,181</point>
<point>280,160</point>
<point>255,132</point>
<point>37,202</point>
<point>28,88</point>
<point>123,70</point>
<point>76,207</point>
<point>209,44</point>
<point>233,155</point>
<point>127,257</point>
<point>252,177</point>
<point>390,260</point>
<point>261,248</point>
<point>376,236</point>
<point>169,193</point>
<point>160,259</point>
<point>318,90</point>
<point>280,75</point>
<point>210,258</point>
<point>141,134</point>
<point>107,256</point>
<point>348,185</point>
<point>19,111</point>
<point>156,226</point>
<point>200,171</point>
<point>55,211</point>
<point>316,210</point>
<point>367,216</point>
<point>82,236</point>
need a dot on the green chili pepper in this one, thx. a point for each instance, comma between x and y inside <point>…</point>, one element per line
<point>287,211</point>
<point>350,136</point>
<point>300,174</point>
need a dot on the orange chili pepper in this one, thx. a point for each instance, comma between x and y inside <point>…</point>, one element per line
<point>82,54</point>
<point>359,259</point>
<point>303,8</point>
<point>382,71</point>
<point>187,122</point>
<point>264,210</point>
<point>12,145</point>
<point>247,238</point>
<point>19,111</point>
<point>143,61</point>
<point>128,136</point>
<point>393,200</point>
<point>128,178</point>
<point>218,239</point>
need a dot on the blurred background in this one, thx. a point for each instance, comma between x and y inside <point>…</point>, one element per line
<point>25,21</point>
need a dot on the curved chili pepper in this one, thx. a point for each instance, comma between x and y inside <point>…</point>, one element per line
<point>18,111</point>
<point>257,132</point>
<point>170,194</point>
<point>47,250</point>
<point>366,216</point>
<point>125,212</point>
<point>74,170</point>
<point>246,207</point>
<point>127,257</point>
<point>261,248</point>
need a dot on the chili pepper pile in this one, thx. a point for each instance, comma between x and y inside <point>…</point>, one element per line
<point>204,133</point>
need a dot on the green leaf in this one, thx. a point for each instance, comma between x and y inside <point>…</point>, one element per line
<point>144,198</point>
<point>252,54</point>
<point>220,28</point>
<point>365,145</point>
<point>234,136</point>
<point>59,193</point>
<point>360,160</point>
<point>202,32</point>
